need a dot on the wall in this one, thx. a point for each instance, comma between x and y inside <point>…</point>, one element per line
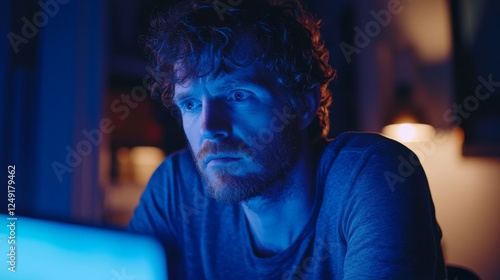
<point>466,194</point>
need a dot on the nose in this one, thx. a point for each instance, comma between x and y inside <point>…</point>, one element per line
<point>216,122</point>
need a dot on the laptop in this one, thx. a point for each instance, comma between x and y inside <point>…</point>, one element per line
<point>35,249</point>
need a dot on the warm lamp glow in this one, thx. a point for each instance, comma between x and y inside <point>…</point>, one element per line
<point>144,162</point>
<point>143,155</point>
<point>137,164</point>
<point>406,132</point>
<point>409,132</point>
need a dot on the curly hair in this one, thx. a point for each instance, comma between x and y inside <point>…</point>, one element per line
<point>201,35</point>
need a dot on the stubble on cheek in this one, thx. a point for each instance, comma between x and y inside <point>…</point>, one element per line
<point>260,169</point>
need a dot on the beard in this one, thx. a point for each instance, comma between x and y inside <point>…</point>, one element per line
<point>263,165</point>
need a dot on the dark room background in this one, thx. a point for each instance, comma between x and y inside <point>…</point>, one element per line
<point>79,124</point>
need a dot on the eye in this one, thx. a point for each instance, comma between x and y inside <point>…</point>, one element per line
<point>189,105</point>
<point>239,95</point>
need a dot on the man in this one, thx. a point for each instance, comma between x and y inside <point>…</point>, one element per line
<point>260,194</point>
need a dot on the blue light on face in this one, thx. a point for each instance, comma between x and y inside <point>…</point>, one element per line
<point>241,141</point>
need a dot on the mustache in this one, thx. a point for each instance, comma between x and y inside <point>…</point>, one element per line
<point>231,147</point>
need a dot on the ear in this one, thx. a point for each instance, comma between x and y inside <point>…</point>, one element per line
<point>311,101</point>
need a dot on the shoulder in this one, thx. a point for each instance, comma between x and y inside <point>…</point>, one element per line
<point>177,169</point>
<point>365,174</point>
<point>176,179</point>
<point>168,193</point>
<point>180,160</point>
<point>361,142</point>
<point>369,167</point>
<point>353,151</point>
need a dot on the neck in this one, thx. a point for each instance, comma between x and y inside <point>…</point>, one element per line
<point>276,222</point>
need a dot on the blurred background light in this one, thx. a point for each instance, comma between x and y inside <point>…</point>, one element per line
<point>409,132</point>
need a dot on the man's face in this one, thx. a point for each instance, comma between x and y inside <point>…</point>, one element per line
<point>241,132</point>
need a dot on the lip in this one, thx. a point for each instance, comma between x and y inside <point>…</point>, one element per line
<point>220,159</point>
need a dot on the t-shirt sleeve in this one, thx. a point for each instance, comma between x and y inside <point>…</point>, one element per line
<point>389,222</point>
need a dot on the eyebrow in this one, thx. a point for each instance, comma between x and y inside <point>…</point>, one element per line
<point>237,83</point>
<point>227,86</point>
<point>181,96</point>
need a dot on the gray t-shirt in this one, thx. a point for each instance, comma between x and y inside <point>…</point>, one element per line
<point>373,218</point>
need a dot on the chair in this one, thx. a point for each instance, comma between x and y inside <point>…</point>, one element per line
<point>460,273</point>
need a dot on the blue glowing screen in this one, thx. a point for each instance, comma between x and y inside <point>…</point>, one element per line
<point>52,250</point>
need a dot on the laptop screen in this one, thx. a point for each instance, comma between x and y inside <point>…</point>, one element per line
<point>38,249</point>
